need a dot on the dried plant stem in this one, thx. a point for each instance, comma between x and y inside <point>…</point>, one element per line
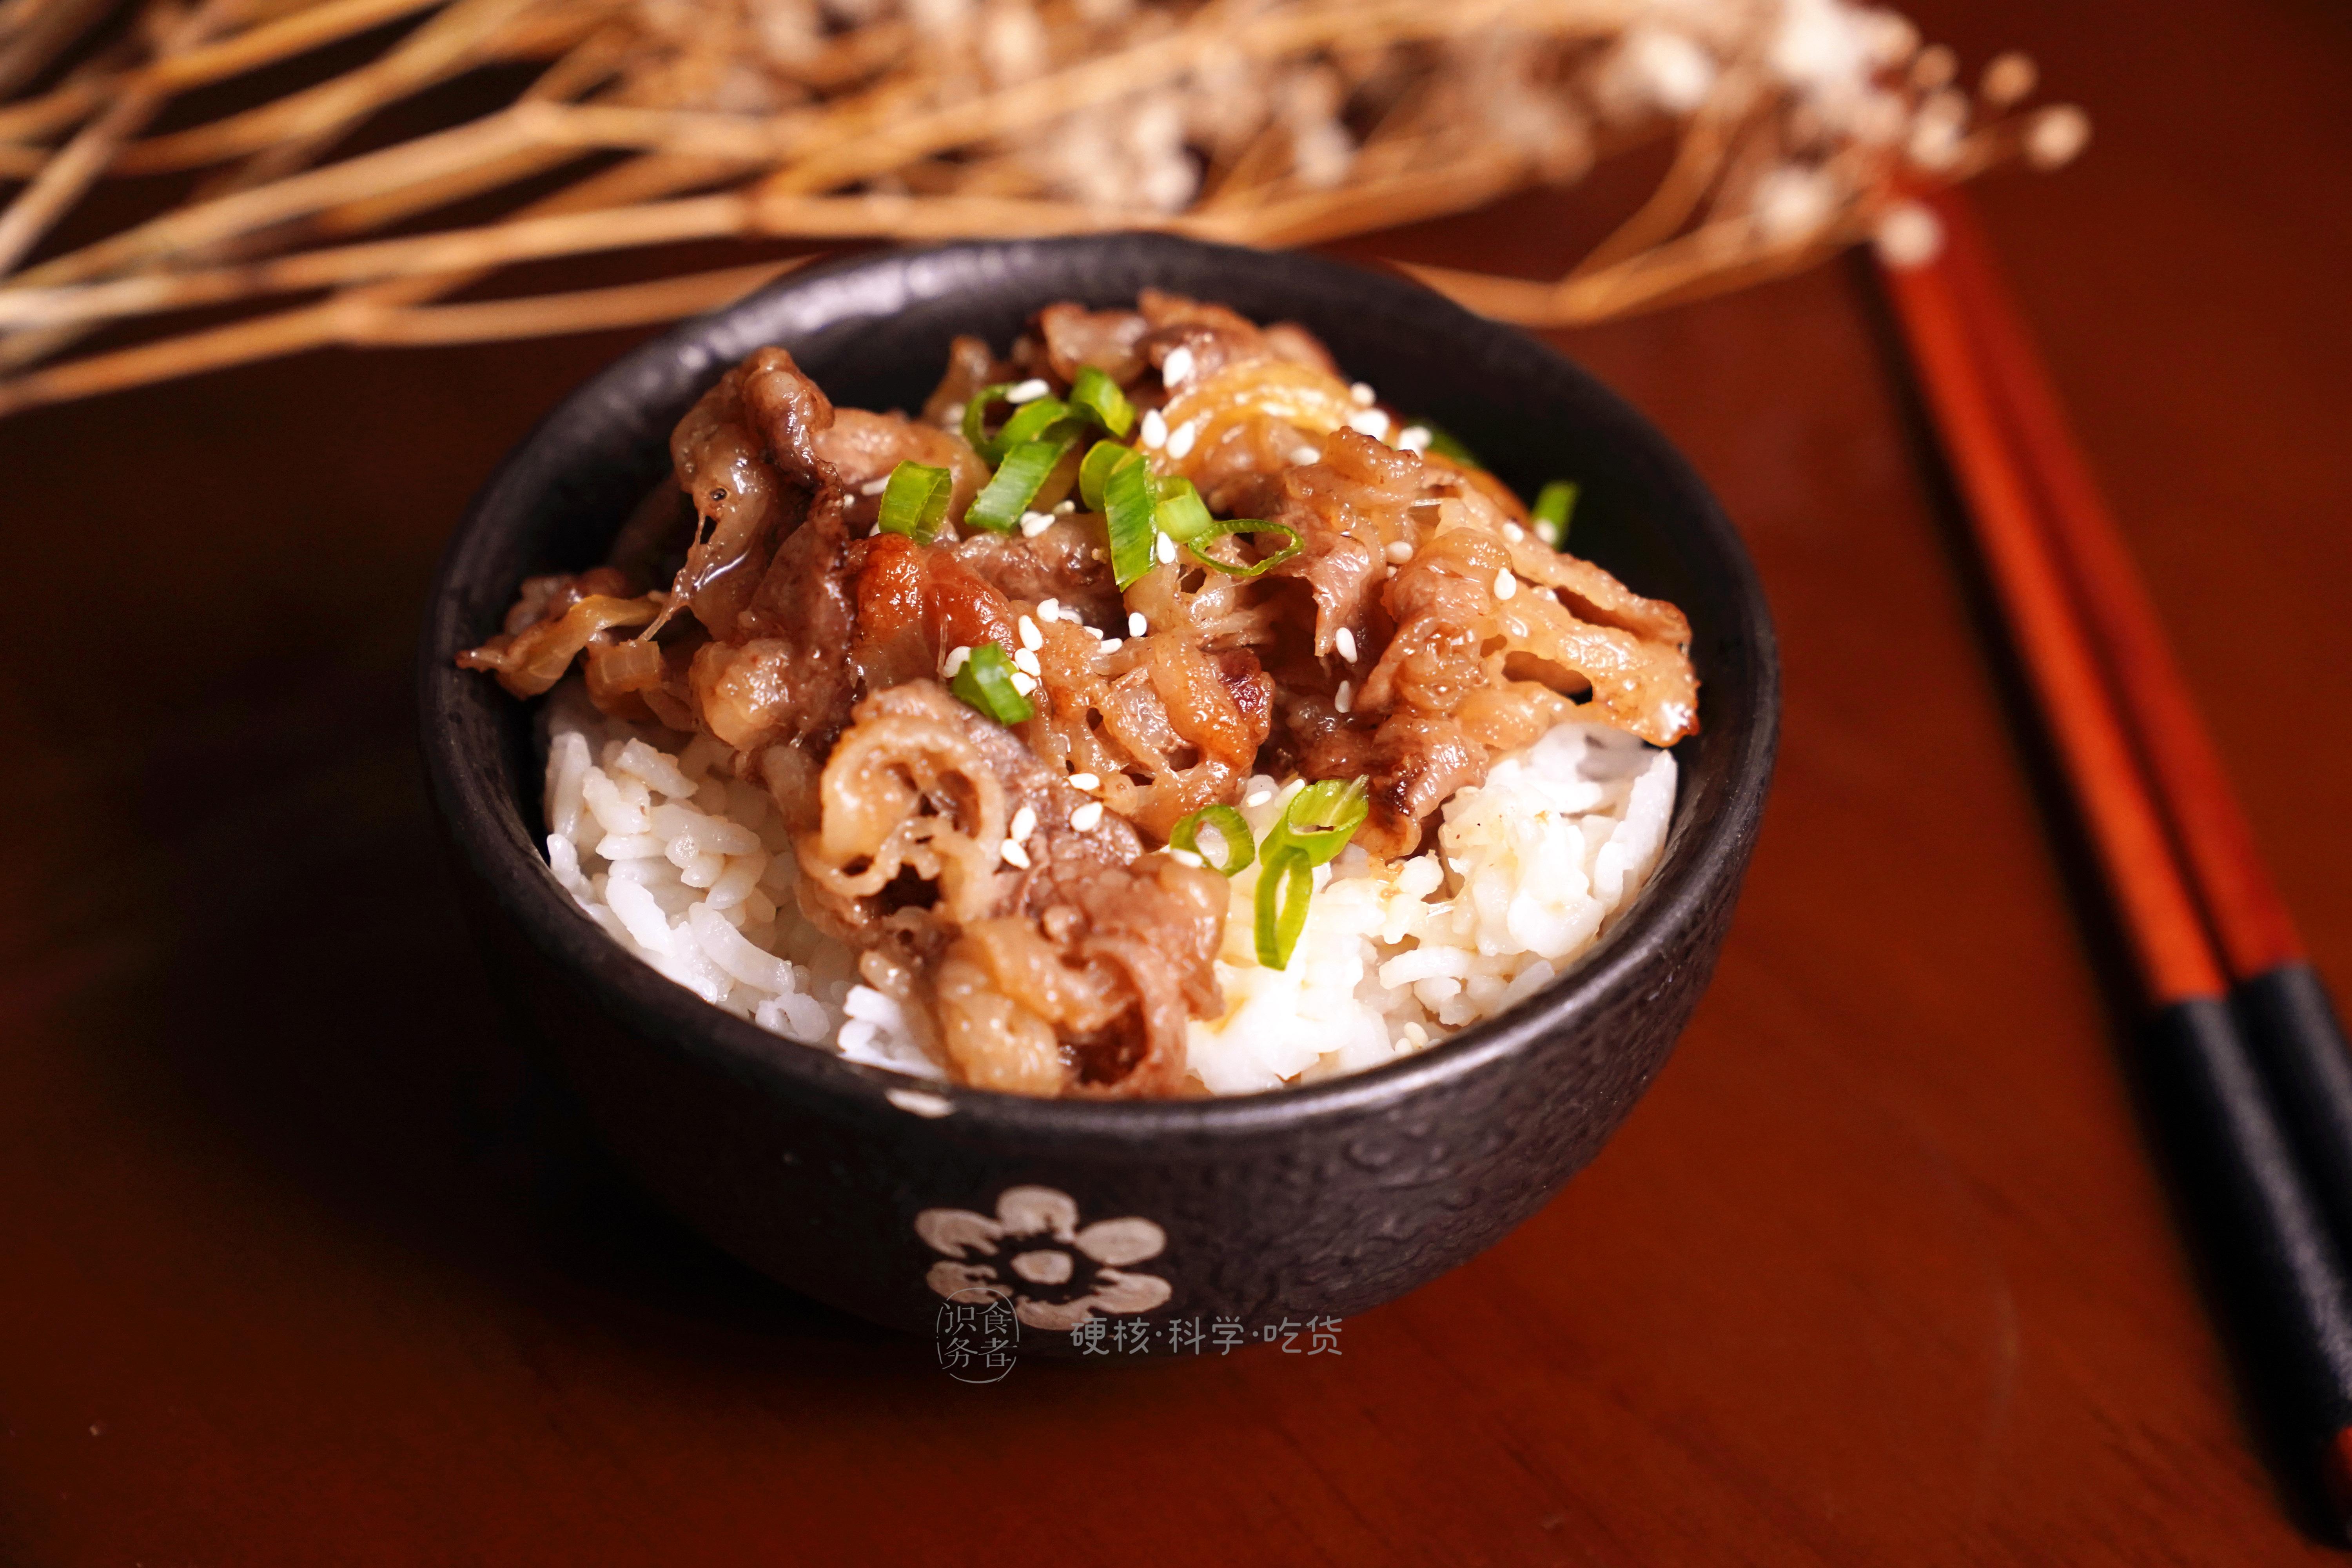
<point>39,32</point>
<point>436,50</point>
<point>767,120</point>
<point>313,27</point>
<point>1301,219</point>
<point>1697,160</point>
<point>587,310</point>
<point>1656,277</point>
<point>352,323</point>
<point>425,157</point>
<point>854,146</point>
<point>62,180</point>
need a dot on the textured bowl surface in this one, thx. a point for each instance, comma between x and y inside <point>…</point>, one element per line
<point>1314,1201</point>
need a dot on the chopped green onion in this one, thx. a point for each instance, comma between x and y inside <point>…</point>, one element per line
<point>1550,513</point>
<point>1182,515</point>
<point>1027,422</point>
<point>1099,396</point>
<point>1285,885</point>
<point>1444,442</point>
<point>986,682</point>
<point>1216,530</point>
<point>1033,421</point>
<point>1127,509</point>
<point>1000,501</point>
<point>1232,829</point>
<point>1100,459</point>
<point>915,501</point>
<point>1319,820</point>
<point>975,409</point>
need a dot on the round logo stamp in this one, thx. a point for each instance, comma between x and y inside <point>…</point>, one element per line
<point>977,1334</point>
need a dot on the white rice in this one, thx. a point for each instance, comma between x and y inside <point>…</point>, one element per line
<point>692,871</point>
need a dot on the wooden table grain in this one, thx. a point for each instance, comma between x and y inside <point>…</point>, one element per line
<point>299,1265</point>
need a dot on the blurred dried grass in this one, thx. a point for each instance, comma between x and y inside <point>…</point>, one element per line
<point>1799,126</point>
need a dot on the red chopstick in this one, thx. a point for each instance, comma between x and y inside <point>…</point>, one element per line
<point>2283,1002</point>
<point>2249,918</point>
<point>2173,847</point>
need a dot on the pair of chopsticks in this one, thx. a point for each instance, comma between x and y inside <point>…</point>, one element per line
<point>2242,1040</point>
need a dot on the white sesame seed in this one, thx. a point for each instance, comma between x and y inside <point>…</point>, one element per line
<point>1177,368</point>
<point>1110,644</point>
<point>1513,533</point>
<point>957,659</point>
<point>1026,658</point>
<point>1257,798</point>
<point>1034,523</point>
<point>1344,641</point>
<point>1304,455</point>
<point>1049,610</point>
<point>1155,429</point>
<point>1504,584</point>
<point>1084,781</point>
<point>1023,824</point>
<point>1414,438</point>
<point>1166,549</point>
<point>952,415</point>
<point>1083,820</point>
<point>1371,422</point>
<point>1180,444</point>
<point>1136,624</point>
<point>1363,395</point>
<point>1346,699</point>
<point>1023,682</point>
<point>1065,507</point>
<point>1098,557</point>
<point>1015,856</point>
<point>875,487</point>
<point>1028,391</point>
<point>1185,858</point>
<point>1400,551</point>
<point>1031,638</point>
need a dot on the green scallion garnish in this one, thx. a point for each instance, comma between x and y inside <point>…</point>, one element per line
<point>975,411</point>
<point>1027,422</point>
<point>1033,421</point>
<point>1127,509</point>
<point>1553,504</point>
<point>1099,396</point>
<point>915,501</point>
<point>1285,885</point>
<point>1216,530</point>
<point>1319,820</point>
<point>1233,830</point>
<point>1000,503</point>
<point>1095,472</point>
<point>1181,514</point>
<point>986,682</point>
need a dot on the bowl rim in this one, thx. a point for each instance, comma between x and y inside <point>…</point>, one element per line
<point>658,1010</point>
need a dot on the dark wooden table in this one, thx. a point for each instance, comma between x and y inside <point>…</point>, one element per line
<point>296,1265</point>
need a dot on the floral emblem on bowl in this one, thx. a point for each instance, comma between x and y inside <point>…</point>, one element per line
<point>1056,1273</point>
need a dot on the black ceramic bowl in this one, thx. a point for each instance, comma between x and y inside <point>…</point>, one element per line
<point>1314,1201</point>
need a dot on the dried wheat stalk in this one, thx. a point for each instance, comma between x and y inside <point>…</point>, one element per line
<point>1799,125</point>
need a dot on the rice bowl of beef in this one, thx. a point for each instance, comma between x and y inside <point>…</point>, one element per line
<point>1451,1013</point>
